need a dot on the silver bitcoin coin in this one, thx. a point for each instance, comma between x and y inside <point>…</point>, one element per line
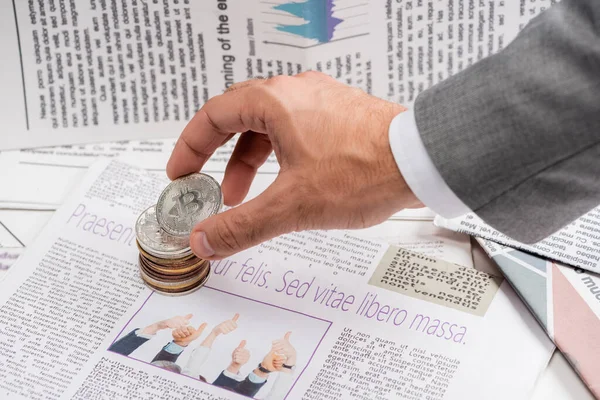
<point>153,239</point>
<point>187,201</point>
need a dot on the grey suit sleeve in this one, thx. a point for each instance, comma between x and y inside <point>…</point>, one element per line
<point>517,135</point>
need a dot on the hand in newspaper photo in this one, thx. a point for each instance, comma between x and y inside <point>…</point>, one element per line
<point>242,353</point>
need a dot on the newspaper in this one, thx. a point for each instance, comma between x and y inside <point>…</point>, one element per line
<point>18,229</point>
<point>566,302</point>
<point>423,237</point>
<point>41,179</point>
<point>76,321</point>
<point>577,244</point>
<point>97,71</point>
<point>10,249</point>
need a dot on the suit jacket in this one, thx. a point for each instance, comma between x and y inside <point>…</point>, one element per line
<point>164,355</point>
<point>245,387</point>
<point>130,342</point>
<point>517,135</point>
<point>127,344</point>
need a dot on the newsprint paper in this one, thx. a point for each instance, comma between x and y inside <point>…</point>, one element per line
<point>565,300</point>
<point>358,319</point>
<point>98,70</point>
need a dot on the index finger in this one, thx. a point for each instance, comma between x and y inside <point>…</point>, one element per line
<point>219,119</point>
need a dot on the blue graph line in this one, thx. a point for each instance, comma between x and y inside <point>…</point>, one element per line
<point>319,16</point>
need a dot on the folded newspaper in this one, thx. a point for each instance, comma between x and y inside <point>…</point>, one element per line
<point>566,302</point>
<point>311,315</point>
<point>577,244</point>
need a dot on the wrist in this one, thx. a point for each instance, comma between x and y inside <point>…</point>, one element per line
<point>261,368</point>
<point>234,368</point>
<point>209,340</point>
<point>392,193</point>
<point>260,373</point>
<point>418,169</point>
<point>150,329</point>
<point>287,369</point>
<point>398,184</point>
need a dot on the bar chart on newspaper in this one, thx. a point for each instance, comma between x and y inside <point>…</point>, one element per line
<point>313,22</point>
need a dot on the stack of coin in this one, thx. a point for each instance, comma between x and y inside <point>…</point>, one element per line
<point>166,262</point>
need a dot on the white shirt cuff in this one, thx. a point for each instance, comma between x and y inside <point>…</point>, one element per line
<point>231,375</point>
<point>252,377</point>
<point>418,169</point>
<point>138,333</point>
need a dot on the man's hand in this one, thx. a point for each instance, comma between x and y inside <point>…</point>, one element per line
<point>171,323</point>
<point>187,334</point>
<point>226,326</point>
<point>285,348</point>
<point>239,358</point>
<point>331,142</point>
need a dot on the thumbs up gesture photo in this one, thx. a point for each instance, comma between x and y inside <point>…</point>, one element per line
<point>187,334</point>
<point>283,347</point>
<point>240,355</point>
<point>227,326</point>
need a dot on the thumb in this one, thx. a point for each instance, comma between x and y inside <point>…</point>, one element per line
<point>242,344</point>
<point>287,336</point>
<point>201,328</point>
<point>188,317</point>
<point>235,317</point>
<point>242,227</point>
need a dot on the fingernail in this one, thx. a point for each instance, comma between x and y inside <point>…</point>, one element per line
<point>201,247</point>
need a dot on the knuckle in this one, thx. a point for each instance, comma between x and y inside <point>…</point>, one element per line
<point>236,86</point>
<point>312,74</point>
<point>278,80</point>
<point>264,92</point>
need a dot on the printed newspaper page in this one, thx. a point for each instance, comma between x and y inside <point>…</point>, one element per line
<point>423,237</point>
<point>355,318</point>
<point>420,43</point>
<point>41,179</point>
<point>577,244</point>
<point>17,230</point>
<point>565,300</point>
<point>96,70</point>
